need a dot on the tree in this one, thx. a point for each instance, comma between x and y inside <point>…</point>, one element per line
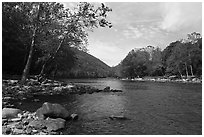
<point>49,22</point>
<point>135,63</point>
<point>15,37</point>
<point>182,57</point>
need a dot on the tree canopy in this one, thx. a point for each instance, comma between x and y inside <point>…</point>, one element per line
<point>182,58</point>
<point>41,31</point>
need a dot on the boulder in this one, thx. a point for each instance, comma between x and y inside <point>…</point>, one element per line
<point>55,124</point>
<point>9,113</point>
<point>52,111</point>
<point>49,124</point>
<point>38,124</point>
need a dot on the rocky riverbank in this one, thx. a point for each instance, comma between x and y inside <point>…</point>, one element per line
<point>171,79</point>
<point>11,89</point>
<point>47,120</point>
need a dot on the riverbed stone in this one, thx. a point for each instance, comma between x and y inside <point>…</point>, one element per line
<point>52,111</point>
<point>18,131</point>
<point>10,113</point>
<point>50,124</point>
<point>59,89</point>
<point>16,119</point>
<point>55,124</point>
<point>74,116</point>
<point>34,131</point>
<point>37,124</point>
<point>12,124</point>
<point>36,100</point>
<point>4,120</point>
<point>6,130</point>
<point>116,90</point>
<point>112,117</point>
<point>106,89</point>
<point>7,98</point>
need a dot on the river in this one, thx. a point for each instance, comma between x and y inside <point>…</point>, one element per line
<point>152,108</point>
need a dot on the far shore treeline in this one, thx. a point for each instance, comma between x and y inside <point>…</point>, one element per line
<point>44,38</point>
<point>182,58</point>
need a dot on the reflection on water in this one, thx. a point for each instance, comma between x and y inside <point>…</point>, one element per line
<point>101,105</point>
<point>99,83</point>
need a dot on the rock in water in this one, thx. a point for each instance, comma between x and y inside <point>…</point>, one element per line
<point>106,89</point>
<point>9,113</point>
<point>118,117</point>
<point>52,111</point>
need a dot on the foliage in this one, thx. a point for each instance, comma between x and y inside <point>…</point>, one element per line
<point>86,66</point>
<point>182,58</point>
<point>52,28</point>
<point>142,62</point>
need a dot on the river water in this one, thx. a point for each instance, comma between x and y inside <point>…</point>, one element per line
<point>152,108</point>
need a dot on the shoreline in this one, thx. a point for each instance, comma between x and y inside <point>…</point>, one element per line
<point>164,80</point>
<point>27,122</point>
<point>18,122</point>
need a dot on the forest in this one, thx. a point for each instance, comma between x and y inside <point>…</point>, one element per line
<point>38,37</point>
<point>182,58</point>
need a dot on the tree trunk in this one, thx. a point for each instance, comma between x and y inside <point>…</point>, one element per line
<point>50,58</point>
<point>189,55</point>
<point>191,70</point>
<point>180,72</point>
<point>27,67</point>
<point>186,70</point>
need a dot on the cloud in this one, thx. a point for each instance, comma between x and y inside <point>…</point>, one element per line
<point>144,31</point>
<point>177,16</point>
<point>132,32</point>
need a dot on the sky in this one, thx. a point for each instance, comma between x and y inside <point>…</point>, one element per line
<point>138,24</point>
